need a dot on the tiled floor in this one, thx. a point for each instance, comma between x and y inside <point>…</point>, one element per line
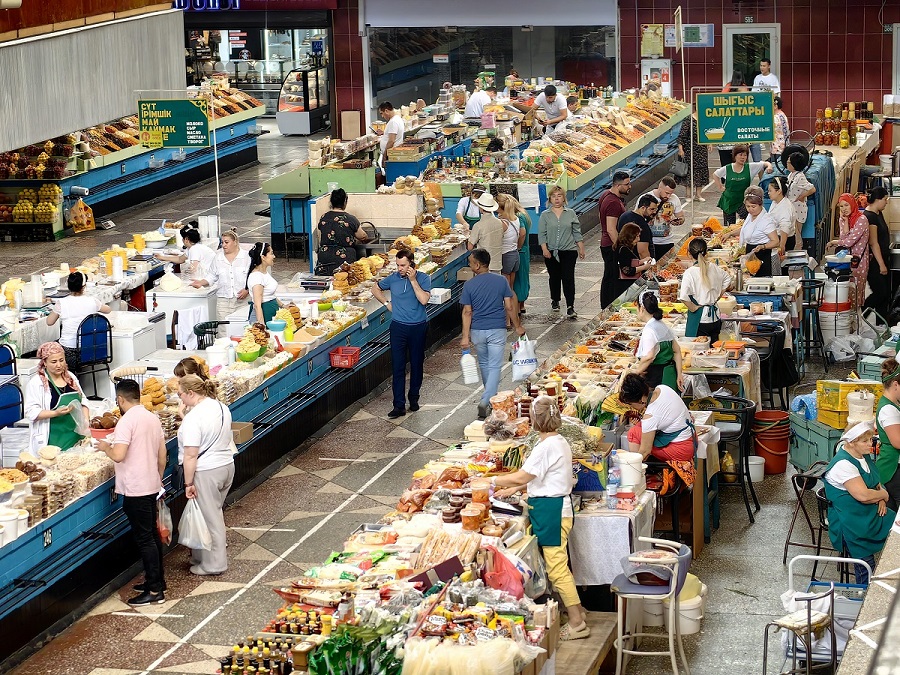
<point>336,481</point>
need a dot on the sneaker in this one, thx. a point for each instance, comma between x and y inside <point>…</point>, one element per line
<point>570,312</point>
<point>554,306</point>
<point>396,412</point>
<point>413,405</point>
<point>147,598</point>
<point>140,588</point>
<point>484,409</point>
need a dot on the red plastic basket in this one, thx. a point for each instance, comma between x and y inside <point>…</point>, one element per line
<point>344,357</point>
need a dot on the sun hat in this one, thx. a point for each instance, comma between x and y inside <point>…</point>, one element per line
<point>487,202</point>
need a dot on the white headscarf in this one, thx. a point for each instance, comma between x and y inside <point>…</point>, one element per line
<point>857,430</point>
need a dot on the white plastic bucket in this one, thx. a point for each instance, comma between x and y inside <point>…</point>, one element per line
<point>690,613</point>
<point>9,520</point>
<point>835,323</point>
<point>3,539</point>
<point>631,467</point>
<point>837,291</point>
<point>757,466</point>
<point>885,161</point>
<point>653,612</point>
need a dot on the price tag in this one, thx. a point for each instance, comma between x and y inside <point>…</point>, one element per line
<point>436,620</point>
<point>364,322</point>
<point>483,634</point>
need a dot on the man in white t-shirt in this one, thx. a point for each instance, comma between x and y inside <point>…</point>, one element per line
<point>668,215</point>
<point>554,107</point>
<point>766,80</point>
<point>393,131</point>
<point>478,100</point>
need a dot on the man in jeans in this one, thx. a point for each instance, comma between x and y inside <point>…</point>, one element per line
<point>410,291</point>
<point>487,302</point>
<point>139,451</point>
<point>612,205</point>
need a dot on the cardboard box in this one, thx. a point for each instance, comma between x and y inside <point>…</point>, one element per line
<point>464,274</point>
<point>832,394</point>
<point>241,432</point>
<point>439,296</point>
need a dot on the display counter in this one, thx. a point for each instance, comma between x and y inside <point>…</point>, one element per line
<point>48,573</point>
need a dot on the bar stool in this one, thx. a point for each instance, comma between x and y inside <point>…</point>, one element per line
<point>813,297</point>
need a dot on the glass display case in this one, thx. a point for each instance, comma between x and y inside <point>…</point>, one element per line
<point>303,106</point>
<point>260,79</point>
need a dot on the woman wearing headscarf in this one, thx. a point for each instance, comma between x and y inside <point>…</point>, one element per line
<point>854,235</point>
<point>50,397</point>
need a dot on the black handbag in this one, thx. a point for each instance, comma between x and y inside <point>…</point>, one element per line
<point>680,168</point>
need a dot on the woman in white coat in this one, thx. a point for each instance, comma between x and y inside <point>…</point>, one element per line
<point>50,396</point>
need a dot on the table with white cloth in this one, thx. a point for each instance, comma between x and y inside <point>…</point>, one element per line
<point>783,318</point>
<point>601,537</point>
<point>747,369</point>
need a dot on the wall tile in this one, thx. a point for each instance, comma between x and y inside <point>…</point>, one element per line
<point>343,73</point>
<point>818,23</point>
<point>836,80</point>
<point>837,48</point>
<point>855,49</point>
<point>872,49</point>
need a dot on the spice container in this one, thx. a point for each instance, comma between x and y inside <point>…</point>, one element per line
<point>481,490</point>
<point>471,519</point>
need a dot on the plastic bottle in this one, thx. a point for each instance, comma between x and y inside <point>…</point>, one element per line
<point>469,367</point>
<point>615,473</point>
<point>232,353</point>
<point>613,478</point>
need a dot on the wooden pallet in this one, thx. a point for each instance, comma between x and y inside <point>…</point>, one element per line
<point>579,657</point>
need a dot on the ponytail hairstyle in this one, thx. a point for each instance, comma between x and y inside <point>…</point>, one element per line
<point>876,193</point>
<point>191,366</point>
<point>194,383</point>
<point>697,248</point>
<point>191,233</point>
<point>257,253</point>
<point>890,372</point>
<point>781,183</point>
<point>650,303</point>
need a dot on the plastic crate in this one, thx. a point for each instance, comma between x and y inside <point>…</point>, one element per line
<point>746,298</point>
<point>344,357</point>
<point>832,394</point>
<point>811,441</point>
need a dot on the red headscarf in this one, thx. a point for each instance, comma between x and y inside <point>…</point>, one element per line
<point>855,213</point>
<point>44,352</point>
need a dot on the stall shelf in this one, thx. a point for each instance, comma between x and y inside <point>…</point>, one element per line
<point>120,179</point>
<point>47,576</point>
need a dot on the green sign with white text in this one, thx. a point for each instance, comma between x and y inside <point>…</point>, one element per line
<point>174,123</point>
<point>740,117</point>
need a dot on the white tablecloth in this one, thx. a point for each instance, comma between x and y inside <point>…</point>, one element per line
<point>600,538</point>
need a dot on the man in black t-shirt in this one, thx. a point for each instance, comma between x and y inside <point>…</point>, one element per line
<point>611,206</point>
<point>642,214</point>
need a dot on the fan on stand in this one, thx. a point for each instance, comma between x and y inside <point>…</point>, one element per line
<point>796,141</point>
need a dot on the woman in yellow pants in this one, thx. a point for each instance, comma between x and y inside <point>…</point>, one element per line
<point>547,474</point>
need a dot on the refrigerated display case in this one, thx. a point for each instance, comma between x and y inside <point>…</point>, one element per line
<point>260,79</point>
<point>303,106</point>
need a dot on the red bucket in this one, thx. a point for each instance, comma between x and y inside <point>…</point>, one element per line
<point>771,439</point>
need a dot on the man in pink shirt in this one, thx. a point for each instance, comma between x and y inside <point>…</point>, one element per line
<point>139,451</point>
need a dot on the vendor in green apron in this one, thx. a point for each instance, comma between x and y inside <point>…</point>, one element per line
<point>261,284</point>
<point>547,475</point>
<point>887,419</point>
<point>51,396</point>
<point>467,211</point>
<point>659,356</point>
<point>701,287</point>
<point>859,520</point>
<point>736,178</point>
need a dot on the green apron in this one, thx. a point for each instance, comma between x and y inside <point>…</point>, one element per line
<point>269,307</point>
<point>471,220</point>
<point>735,183</point>
<point>62,429</point>
<point>694,318</point>
<point>545,514</point>
<point>663,438</point>
<point>888,455</point>
<point>662,370</point>
<point>851,523</point>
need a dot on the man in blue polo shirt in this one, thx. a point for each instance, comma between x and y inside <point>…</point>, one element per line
<point>410,291</point>
<point>487,301</point>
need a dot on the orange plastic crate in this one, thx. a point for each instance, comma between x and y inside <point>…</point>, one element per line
<point>344,357</point>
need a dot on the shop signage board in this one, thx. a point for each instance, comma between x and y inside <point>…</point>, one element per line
<point>258,5</point>
<point>174,123</point>
<point>740,117</point>
<point>651,39</point>
<point>440,58</point>
<point>693,35</point>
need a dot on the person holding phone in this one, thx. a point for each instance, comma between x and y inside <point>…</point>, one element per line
<point>410,292</point>
<point>50,397</point>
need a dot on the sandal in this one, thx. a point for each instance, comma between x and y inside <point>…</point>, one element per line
<point>566,632</point>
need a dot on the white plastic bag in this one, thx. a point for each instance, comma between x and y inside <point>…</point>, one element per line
<point>82,427</point>
<point>192,529</point>
<point>841,348</point>
<point>524,358</point>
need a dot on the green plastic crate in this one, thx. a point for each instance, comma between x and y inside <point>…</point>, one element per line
<point>811,441</point>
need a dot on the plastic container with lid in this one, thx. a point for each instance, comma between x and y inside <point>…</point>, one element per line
<point>471,519</point>
<point>481,490</point>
